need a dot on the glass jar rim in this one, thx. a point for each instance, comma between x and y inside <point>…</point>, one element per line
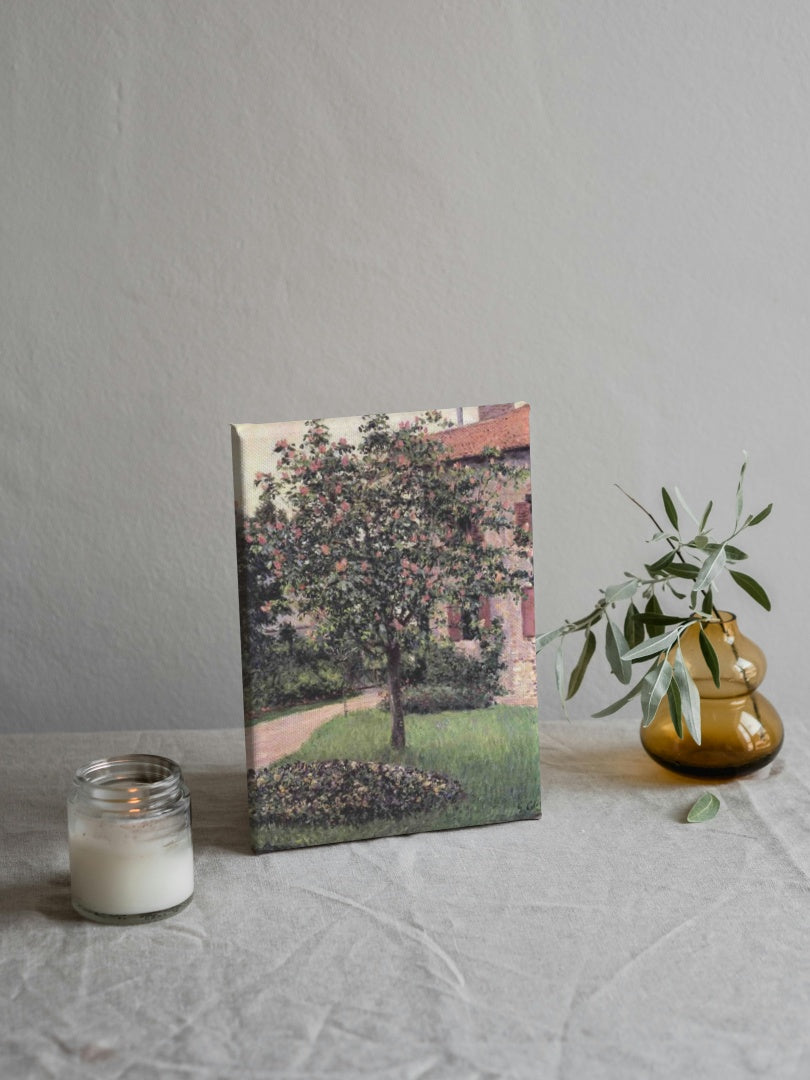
<point>131,783</point>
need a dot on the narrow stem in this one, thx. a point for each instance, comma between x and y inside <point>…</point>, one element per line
<point>644,510</point>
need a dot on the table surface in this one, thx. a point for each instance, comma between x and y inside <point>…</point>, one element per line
<point>607,939</point>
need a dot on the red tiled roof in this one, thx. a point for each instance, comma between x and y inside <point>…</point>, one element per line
<point>508,432</point>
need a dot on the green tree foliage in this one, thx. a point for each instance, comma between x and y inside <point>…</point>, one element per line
<point>367,541</point>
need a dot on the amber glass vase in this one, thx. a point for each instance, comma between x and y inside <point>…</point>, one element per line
<point>740,729</point>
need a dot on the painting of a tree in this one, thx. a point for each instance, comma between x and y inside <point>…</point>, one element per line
<point>369,540</point>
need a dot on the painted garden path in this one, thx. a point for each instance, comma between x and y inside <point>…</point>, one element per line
<point>275,739</point>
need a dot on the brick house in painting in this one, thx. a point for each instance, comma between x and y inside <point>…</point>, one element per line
<point>505,427</point>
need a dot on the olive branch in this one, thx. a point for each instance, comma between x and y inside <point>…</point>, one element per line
<point>694,563</point>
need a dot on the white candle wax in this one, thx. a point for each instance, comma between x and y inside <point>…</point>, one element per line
<point>129,867</point>
<point>129,838</point>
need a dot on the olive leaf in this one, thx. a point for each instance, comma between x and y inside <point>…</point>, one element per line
<point>710,569</point>
<point>704,809</point>
<point>669,507</point>
<point>755,520</point>
<point>577,675</point>
<point>684,570</point>
<point>733,554</point>
<point>546,639</point>
<point>660,564</point>
<point>740,489</point>
<point>654,645</point>
<point>615,648</point>
<point>704,520</point>
<point>752,587</point>
<point>660,620</point>
<point>652,606</point>
<point>710,656</point>
<point>614,593</point>
<point>674,702</point>
<point>559,673</point>
<point>588,620</point>
<point>653,687</point>
<point>633,629</point>
<point>690,698</point>
<point>683,503</point>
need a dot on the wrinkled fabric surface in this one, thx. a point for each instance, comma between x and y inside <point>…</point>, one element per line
<point>607,939</point>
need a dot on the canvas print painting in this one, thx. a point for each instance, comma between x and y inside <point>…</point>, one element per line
<point>387,622</point>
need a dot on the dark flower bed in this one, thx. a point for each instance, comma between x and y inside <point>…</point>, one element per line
<point>344,792</point>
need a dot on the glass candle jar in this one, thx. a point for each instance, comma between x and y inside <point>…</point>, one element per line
<point>129,835</point>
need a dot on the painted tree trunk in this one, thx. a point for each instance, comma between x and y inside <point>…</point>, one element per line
<point>394,658</point>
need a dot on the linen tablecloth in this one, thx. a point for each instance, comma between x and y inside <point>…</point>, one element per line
<point>607,939</point>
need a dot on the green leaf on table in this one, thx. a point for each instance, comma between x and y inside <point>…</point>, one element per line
<point>704,809</point>
<point>710,656</point>
<point>654,686</point>
<point>674,702</point>
<point>752,587</point>
<point>690,698</point>
<point>577,675</point>
<point>755,520</point>
<point>669,507</point>
<point>615,648</point>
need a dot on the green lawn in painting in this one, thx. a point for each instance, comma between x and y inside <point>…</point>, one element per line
<point>492,753</point>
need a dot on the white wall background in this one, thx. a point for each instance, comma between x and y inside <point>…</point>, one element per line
<point>251,211</point>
